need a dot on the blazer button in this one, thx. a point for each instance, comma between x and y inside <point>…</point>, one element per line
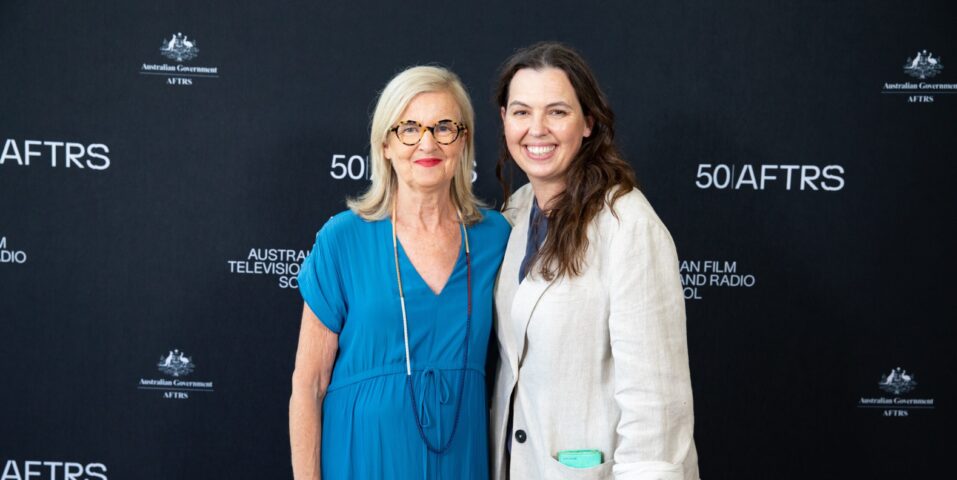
<point>520,436</point>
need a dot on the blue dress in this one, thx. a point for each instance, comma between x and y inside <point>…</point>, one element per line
<point>368,428</point>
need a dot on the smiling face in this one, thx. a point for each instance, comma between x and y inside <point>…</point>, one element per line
<point>427,166</point>
<point>544,125</point>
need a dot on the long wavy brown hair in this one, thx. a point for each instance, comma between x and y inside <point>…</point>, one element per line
<point>596,171</point>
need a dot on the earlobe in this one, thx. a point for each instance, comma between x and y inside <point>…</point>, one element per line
<point>502,111</point>
<point>589,124</point>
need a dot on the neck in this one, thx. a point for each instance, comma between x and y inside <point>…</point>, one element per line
<point>427,211</point>
<point>546,191</point>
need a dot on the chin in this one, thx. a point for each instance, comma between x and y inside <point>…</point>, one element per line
<point>539,172</point>
<point>437,184</point>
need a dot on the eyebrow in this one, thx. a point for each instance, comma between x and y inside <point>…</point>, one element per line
<point>553,104</point>
<point>436,123</point>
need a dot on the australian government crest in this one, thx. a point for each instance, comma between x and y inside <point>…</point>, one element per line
<point>896,385</point>
<point>174,365</point>
<point>179,48</point>
<point>921,67</point>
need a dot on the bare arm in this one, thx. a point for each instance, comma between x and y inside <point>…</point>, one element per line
<point>314,359</point>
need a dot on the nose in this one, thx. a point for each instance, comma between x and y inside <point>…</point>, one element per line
<point>427,143</point>
<point>537,128</point>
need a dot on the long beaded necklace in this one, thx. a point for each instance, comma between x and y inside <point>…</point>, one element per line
<point>405,331</point>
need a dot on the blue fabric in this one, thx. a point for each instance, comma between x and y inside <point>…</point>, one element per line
<point>537,229</point>
<point>368,428</point>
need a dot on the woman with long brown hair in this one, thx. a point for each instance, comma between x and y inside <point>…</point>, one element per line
<point>593,380</point>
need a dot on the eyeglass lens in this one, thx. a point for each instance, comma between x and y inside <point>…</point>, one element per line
<point>444,132</point>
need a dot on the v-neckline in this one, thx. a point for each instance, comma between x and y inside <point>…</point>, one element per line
<point>418,276</point>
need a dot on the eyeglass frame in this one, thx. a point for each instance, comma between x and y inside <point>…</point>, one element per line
<point>422,128</point>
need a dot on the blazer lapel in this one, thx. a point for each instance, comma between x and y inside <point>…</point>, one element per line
<point>530,290</point>
<point>527,296</point>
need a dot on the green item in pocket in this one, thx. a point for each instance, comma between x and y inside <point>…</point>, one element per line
<point>579,458</point>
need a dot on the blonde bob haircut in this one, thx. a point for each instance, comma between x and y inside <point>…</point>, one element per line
<point>376,202</point>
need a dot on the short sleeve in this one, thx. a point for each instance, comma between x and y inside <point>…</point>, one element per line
<point>320,282</point>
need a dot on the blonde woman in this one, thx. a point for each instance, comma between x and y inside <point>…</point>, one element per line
<point>389,378</point>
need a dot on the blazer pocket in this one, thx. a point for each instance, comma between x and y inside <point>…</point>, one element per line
<point>555,470</point>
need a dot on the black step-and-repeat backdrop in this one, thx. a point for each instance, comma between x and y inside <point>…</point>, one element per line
<point>164,167</point>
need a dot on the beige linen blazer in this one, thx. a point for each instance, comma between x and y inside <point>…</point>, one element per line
<point>599,361</point>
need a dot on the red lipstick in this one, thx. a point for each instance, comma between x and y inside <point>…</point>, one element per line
<point>428,162</point>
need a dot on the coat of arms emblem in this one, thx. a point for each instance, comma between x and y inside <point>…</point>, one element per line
<point>923,66</point>
<point>180,48</point>
<point>897,382</point>
<point>176,364</point>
